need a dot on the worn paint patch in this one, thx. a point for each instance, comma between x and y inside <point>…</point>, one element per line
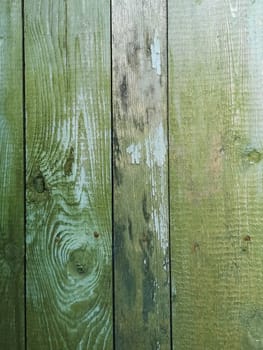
<point>156,147</point>
<point>156,152</point>
<point>135,152</point>
<point>160,219</point>
<point>81,194</point>
<point>156,54</point>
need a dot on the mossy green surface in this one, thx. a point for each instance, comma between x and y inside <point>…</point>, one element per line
<point>12,327</point>
<point>215,176</point>
<point>69,270</point>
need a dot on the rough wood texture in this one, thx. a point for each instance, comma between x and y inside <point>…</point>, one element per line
<point>140,175</point>
<point>215,60</point>
<point>11,178</point>
<point>69,293</point>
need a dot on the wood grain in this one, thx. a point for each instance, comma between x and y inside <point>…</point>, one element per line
<point>69,288</point>
<point>11,178</point>
<point>215,75</point>
<point>140,175</point>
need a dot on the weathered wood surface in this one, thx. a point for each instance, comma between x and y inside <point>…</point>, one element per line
<point>215,60</point>
<point>11,178</point>
<point>141,261</point>
<point>215,51</point>
<point>69,288</point>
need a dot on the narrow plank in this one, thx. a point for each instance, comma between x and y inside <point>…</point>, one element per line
<point>11,178</point>
<point>140,175</point>
<point>69,274</point>
<point>215,75</point>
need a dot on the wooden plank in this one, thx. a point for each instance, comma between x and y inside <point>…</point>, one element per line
<point>69,278</point>
<point>140,175</point>
<point>11,178</point>
<point>215,75</point>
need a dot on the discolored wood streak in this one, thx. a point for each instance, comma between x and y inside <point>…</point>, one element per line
<point>215,60</point>
<point>11,178</point>
<point>69,288</point>
<point>140,175</point>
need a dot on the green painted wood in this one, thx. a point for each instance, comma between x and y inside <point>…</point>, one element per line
<point>216,163</point>
<point>215,87</point>
<point>69,274</point>
<point>11,178</point>
<point>140,175</point>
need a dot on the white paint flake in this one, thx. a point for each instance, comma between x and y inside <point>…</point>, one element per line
<point>156,147</point>
<point>135,152</point>
<point>156,152</point>
<point>159,217</point>
<point>156,54</point>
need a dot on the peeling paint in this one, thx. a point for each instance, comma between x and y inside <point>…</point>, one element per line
<point>135,152</point>
<point>156,54</point>
<point>159,218</point>
<point>156,153</point>
<point>156,147</point>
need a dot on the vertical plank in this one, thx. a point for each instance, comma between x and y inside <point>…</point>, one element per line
<point>215,76</point>
<point>69,278</point>
<point>11,178</point>
<point>140,175</point>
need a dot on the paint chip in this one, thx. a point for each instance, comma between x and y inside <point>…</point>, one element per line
<point>156,54</point>
<point>135,152</point>
<point>156,147</point>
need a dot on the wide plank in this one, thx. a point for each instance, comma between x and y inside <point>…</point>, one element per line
<point>11,178</point>
<point>69,274</point>
<point>216,163</point>
<point>141,250</point>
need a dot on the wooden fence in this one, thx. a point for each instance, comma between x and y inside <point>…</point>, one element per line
<point>131,182</point>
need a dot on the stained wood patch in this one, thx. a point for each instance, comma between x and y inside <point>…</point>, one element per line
<point>140,175</point>
<point>11,178</point>
<point>69,278</point>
